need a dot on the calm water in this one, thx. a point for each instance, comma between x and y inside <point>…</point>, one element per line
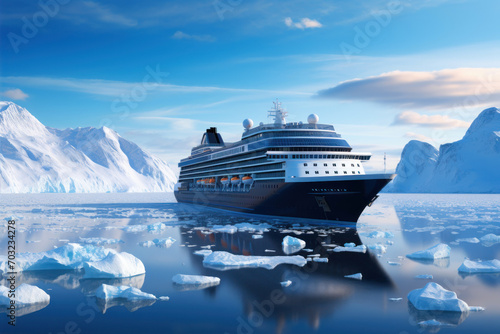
<point>320,299</point>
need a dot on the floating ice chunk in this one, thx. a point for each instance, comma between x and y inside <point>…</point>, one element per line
<point>433,323</point>
<point>135,228</point>
<point>195,282</point>
<point>270,251</point>
<point>378,248</point>
<point>392,263</point>
<point>203,252</point>
<point>257,236</point>
<point>164,298</point>
<point>107,292</point>
<point>164,243</point>
<point>350,247</point>
<point>476,308</point>
<point>308,250</point>
<point>395,299</point>
<point>156,227</point>
<point>25,295</point>
<point>490,239</point>
<point>472,267</point>
<point>436,252</point>
<point>286,284</point>
<point>379,234</point>
<point>468,240</point>
<point>147,244</point>
<point>424,277</point>
<point>114,265</point>
<point>224,229</point>
<point>433,297</point>
<point>100,241</point>
<point>224,261</point>
<point>320,259</point>
<point>292,245</point>
<point>247,227</point>
<point>355,276</point>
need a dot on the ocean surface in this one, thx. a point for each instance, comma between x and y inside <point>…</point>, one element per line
<point>319,300</point>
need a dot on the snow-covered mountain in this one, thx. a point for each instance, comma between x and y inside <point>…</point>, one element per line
<point>36,158</point>
<point>470,165</point>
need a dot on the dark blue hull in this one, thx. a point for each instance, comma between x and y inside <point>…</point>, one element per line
<point>336,200</point>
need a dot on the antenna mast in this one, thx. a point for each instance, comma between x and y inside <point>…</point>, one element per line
<point>385,162</point>
<point>278,113</point>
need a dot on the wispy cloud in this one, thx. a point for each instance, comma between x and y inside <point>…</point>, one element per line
<point>433,90</point>
<point>15,94</point>
<point>304,23</point>
<point>201,38</point>
<point>417,136</point>
<point>105,14</point>
<point>432,121</point>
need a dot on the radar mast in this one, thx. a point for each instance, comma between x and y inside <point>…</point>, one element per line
<point>278,113</point>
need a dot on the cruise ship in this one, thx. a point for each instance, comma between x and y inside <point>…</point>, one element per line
<point>302,170</point>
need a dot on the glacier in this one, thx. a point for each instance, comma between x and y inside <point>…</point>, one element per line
<point>469,165</point>
<point>35,158</point>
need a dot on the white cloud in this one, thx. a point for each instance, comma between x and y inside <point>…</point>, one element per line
<point>441,89</point>
<point>433,121</point>
<point>304,23</point>
<point>15,94</point>
<point>202,38</point>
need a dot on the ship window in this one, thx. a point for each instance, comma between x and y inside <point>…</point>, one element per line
<point>334,165</point>
<point>343,165</point>
<point>327,172</point>
<point>345,172</point>
<point>305,165</point>
<point>329,156</point>
<point>336,172</point>
<point>353,172</point>
<point>352,165</point>
<point>315,156</point>
<point>315,165</point>
<point>325,165</point>
<point>359,172</point>
<point>316,172</point>
<point>307,172</point>
<point>358,165</point>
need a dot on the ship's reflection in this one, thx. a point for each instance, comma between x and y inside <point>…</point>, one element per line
<point>317,289</point>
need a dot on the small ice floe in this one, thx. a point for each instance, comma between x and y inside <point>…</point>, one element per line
<point>468,240</point>
<point>398,299</point>
<point>308,250</point>
<point>156,227</point>
<point>194,282</point>
<point>393,263</point>
<point>114,265</point>
<point>433,297</point>
<point>32,241</point>
<point>147,244</point>
<point>164,298</point>
<point>378,234</point>
<point>162,243</point>
<point>107,292</point>
<point>438,251</point>
<point>377,248</point>
<point>231,229</point>
<point>424,277</point>
<point>252,228</point>
<point>270,251</point>
<point>490,239</point>
<point>224,261</point>
<point>100,241</point>
<point>320,259</point>
<point>482,267</point>
<point>25,295</point>
<point>292,245</point>
<point>286,284</point>
<point>350,247</point>
<point>257,236</point>
<point>357,276</point>
<point>203,252</point>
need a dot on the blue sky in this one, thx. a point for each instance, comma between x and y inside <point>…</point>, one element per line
<point>160,72</point>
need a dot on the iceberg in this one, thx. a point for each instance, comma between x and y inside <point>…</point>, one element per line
<point>490,239</point>
<point>225,229</point>
<point>194,282</point>
<point>468,240</point>
<point>433,297</point>
<point>247,227</point>
<point>164,243</point>
<point>286,284</point>
<point>114,265</point>
<point>225,261</point>
<point>378,248</point>
<point>439,251</point>
<point>107,292</point>
<point>482,267</point>
<point>355,276</point>
<point>350,247</point>
<point>25,295</point>
<point>100,241</point>
<point>292,245</point>
<point>320,259</point>
<point>203,252</point>
<point>147,244</point>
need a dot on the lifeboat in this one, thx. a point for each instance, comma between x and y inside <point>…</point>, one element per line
<point>224,180</point>
<point>203,181</point>
<point>198,182</point>
<point>211,181</point>
<point>235,180</point>
<point>247,180</point>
